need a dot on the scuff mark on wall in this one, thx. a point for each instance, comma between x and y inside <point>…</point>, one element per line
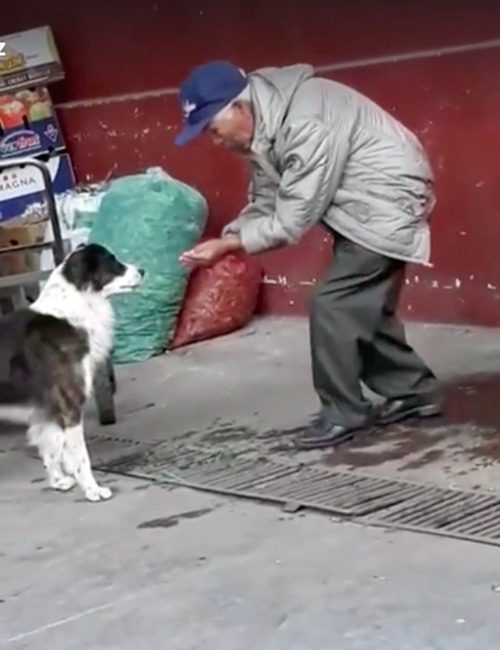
<point>280,280</point>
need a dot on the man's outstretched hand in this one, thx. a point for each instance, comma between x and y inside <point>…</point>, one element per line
<point>208,252</point>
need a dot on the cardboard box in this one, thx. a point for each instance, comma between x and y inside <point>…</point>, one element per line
<point>30,58</point>
<point>21,188</point>
<point>28,124</point>
<point>21,232</point>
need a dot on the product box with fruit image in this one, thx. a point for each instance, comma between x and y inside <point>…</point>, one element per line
<point>28,124</point>
<point>22,189</point>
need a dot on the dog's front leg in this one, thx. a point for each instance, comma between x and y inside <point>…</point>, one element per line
<point>76,463</point>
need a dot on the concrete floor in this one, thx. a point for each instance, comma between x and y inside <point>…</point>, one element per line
<point>249,392</point>
<point>184,570</point>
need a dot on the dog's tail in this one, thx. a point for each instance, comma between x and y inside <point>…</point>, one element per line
<point>13,405</point>
<point>15,414</point>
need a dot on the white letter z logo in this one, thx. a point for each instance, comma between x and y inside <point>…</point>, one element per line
<point>188,108</point>
<point>2,48</point>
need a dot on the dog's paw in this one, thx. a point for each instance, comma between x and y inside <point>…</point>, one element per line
<point>98,493</point>
<point>62,483</point>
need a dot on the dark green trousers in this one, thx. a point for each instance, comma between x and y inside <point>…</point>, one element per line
<point>356,337</point>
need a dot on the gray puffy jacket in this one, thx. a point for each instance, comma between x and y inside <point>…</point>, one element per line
<point>324,152</point>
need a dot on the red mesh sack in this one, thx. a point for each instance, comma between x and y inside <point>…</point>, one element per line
<point>219,299</point>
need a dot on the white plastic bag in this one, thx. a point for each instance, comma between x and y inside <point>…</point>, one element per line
<point>76,210</point>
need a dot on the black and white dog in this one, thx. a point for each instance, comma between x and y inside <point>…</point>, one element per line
<point>49,353</point>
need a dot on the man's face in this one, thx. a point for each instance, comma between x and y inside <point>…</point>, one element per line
<point>233,129</point>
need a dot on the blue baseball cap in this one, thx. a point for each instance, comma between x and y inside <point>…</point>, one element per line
<point>204,93</point>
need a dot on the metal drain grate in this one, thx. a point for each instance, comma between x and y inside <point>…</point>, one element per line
<point>379,501</point>
<point>474,516</point>
<point>108,451</point>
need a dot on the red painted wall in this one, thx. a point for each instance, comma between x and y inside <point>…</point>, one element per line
<point>119,112</point>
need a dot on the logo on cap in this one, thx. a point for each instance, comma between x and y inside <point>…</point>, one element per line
<point>187,108</point>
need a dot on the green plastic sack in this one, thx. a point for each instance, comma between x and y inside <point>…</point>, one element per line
<point>149,219</point>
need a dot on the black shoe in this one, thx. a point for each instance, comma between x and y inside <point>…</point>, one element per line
<point>398,410</point>
<point>324,433</point>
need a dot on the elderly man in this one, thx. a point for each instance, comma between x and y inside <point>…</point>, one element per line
<point>322,153</point>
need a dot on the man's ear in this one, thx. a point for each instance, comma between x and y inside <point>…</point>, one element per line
<point>238,105</point>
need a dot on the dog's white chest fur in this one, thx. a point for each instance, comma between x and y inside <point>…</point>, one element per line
<point>84,310</point>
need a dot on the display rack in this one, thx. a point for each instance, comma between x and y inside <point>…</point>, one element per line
<point>105,383</point>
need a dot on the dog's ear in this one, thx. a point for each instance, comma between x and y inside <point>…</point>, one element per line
<point>75,268</point>
<point>91,266</point>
